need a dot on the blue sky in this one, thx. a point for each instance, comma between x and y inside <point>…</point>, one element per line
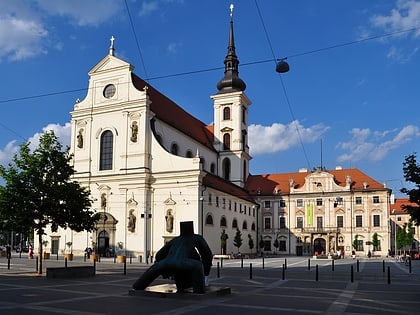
<point>353,88</point>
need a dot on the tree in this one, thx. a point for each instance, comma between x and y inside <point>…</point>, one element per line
<point>39,191</point>
<point>276,244</point>
<point>355,242</point>
<point>250,242</point>
<point>261,243</point>
<point>237,241</point>
<point>223,241</point>
<point>411,171</point>
<point>405,235</point>
<point>375,241</point>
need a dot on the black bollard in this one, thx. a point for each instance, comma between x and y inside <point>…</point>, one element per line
<point>221,262</point>
<point>242,262</point>
<point>263,262</point>
<point>115,258</point>
<point>309,264</point>
<point>84,257</point>
<point>409,264</point>
<point>351,274</point>
<point>218,270</point>
<point>94,266</point>
<point>357,265</point>
<point>57,255</point>
<point>250,271</point>
<point>332,265</point>
<point>65,262</point>
<point>36,264</point>
<point>389,275</point>
<point>383,265</point>
<point>125,267</point>
<point>285,263</point>
<point>316,273</point>
<point>8,263</point>
<point>283,276</point>
<point>131,259</point>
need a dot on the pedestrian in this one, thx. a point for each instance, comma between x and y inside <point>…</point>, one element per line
<point>31,252</point>
<point>369,254</point>
<point>8,251</point>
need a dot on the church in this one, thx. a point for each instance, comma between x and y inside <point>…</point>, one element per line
<point>150,165</point>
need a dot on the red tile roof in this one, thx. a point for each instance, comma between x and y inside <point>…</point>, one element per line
<point>397,205</point>
<point>266,184</point>
<point>172,114</point>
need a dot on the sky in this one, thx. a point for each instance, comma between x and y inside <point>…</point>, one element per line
<point>350,99</point>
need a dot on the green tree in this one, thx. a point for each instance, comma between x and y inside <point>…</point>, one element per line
<point>405,235</point>
<point>276,244</point>
<point>237,241</point>
<point>411,170</point>
<point>250,242</point>
<point>39,192</point>
<point>375,241</point>
<point>355,242</point>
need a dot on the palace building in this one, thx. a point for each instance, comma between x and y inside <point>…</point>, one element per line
<point>150,165</point>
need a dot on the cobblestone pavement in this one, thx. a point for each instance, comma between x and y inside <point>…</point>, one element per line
<point>287,285</point>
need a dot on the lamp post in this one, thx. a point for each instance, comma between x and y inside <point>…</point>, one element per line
<point>394,212</point>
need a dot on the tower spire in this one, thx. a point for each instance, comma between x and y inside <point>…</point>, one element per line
<point>231,81</point>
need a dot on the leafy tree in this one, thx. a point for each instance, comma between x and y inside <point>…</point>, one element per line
<point>355,242</point>
<point>276,244</point>
<point>39,191</point>
<point>223,241</point>
<point>411,171</point>
<point>250,242</point>
<point>375,241</point>
<point>237,241</point>
<point>405,235</point>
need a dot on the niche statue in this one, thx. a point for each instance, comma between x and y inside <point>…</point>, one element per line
<point>187,258</point>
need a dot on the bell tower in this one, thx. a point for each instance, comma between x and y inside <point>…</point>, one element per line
<point>231,105</point>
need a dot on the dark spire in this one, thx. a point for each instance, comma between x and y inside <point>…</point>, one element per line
<point>231,81</point>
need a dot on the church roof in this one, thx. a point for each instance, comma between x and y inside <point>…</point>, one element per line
<point>267,184</point>
<point>169,112</point>
<point>397,206</point>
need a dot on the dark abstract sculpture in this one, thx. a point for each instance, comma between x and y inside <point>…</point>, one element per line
<point>187,258</point>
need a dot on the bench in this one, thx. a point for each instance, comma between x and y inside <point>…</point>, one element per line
<point>71,272</point>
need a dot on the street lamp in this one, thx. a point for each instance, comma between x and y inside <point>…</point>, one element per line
<point>282,66</point>
<point>394,212</point>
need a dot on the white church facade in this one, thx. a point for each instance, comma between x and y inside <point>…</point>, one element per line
<point>150,165</point>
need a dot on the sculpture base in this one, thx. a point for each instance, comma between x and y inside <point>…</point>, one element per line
<point>169,290</point>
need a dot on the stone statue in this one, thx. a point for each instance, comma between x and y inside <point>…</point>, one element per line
<point>187,258</point>
<point>134,131</point>
<point>169,218</point>
<point>80,139</point>
<point>103,201</point>
<point>132,221</point>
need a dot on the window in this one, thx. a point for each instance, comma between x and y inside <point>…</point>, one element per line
<point>234,224</point>
<point>340,221</point>
<point>378,247</point>
<point>212,168</point>
<point>319,222</point>
<point>189,154</point>
<point>359,220</point>
<point>282,245</point>
<point>244,115</point>
<point>282,223</point>
<point>174,149</point>
<point>319,202</point>
<point>299,222</point>
<point>376,220</point>
<point>223,222</point>
<point>224,203</point>
<point>107,150</point>
<point>267,204</point>
<point>210,201</point>
<point>217,201</point>
<point>267,223</point>
<point>226,169</point>
<point>299,203</point>
<point>226,113</point>
<point>209,219</point>
<point>230,204</point>
<point>339,201</point>
<point>226,141</point>
<point>375,199</point>
<point>282,203</point>
<point>244,225</point>
<point>359,245</point>
<point>253,226</point>
<point>358,200</point>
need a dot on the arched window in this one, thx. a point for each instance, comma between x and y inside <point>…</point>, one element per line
<point>159,139</point>
<point>174,149</point>
<point>223,222</point>
<point>245,171</point>
<point>189,154</point>
<point>107,151</point>
<point>226,113</point>
<point>244,226</point>
<point>226,141</point>
<point>253,226</point>
<point>212,168</point>
<point>226,169</point>
<point>234,224</point>
<point>209,219</point>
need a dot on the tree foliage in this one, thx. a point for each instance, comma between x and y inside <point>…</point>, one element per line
<point>411,171</point>
<point>250,242</point>
<point>39,192</point>
<point>405,235</point>
<point>237,241</point>
<point>375,241</point>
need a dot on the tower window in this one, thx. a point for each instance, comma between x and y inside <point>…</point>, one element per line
<point>107,150</point>
<point>226,169</point>
<point>174,149</point>
<point>226,141</point>
<point>226,113</point>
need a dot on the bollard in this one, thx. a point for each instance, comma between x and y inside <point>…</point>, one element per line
<point>36,264</point>
<point>57,255</point>
<point>218,270</point>
<point>309,264</point>
<point>389,275</point>
<point>8,263</point>
<point>84,257</point>
<point>283,276</point>
<point>351,274</point>
<point>221,262</point>
<point>316,273</point>
<point>409,264</point>
<point>332,265</point>
<point>242,262</point>
<point>65,262</point>
<point>250,271</point>
<point>383,265</point>
<point>285,263</point>
<point>131,259</point>
<point>94,266</point>
<point>125,267</point>
<point>357,267</point>
<point>263,262</point>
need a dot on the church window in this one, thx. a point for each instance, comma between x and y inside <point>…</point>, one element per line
<point>209,219</point>
<point>226,113</point>
<point>244,226</point>
<point>107,150</point>
<point>226,141</point>
<point>223,222</point>
<point>234,224</point>
<point>226,169</point>
<point>189,154</point>
<point>174,149</point>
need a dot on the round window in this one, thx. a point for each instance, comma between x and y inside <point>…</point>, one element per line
<point>109,91</point>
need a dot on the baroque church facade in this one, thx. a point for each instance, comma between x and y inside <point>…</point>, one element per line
<point>150,165</point>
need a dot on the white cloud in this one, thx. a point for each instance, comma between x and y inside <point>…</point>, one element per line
<point>148,7</point>
<point>7,153</point>
<point>374,146</point>
<point>279,137</point>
